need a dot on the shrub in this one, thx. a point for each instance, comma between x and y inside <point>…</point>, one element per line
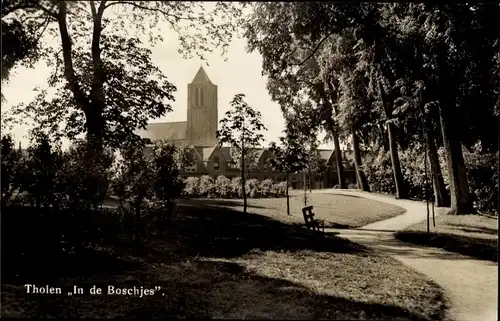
<point>41,177</point>
<point>167,183</point>
<point>132,185</point>
<point>85,177</point>
<point>252,188</point>
<point>207,186</point>
<point>11,167</point>
<point>237,187</point>
<point>414,174</point>
<point>191,187</point>
<point>482,170</point>
<point>280,189</point>
<point>352,186</point>
<point>378,170</point>
<point>266,187</point>
<point>223,187</point>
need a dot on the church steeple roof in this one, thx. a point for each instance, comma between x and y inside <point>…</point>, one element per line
<point>201,76</point>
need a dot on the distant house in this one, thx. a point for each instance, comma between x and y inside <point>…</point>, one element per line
<point>199,134</point>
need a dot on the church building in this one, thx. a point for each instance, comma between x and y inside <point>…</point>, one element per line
<point>199,134</point>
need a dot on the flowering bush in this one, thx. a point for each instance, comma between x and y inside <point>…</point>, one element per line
<point>252,187</point>
<point>206,186</point>
<point>237,187</point>
<point>223,187</point>
<point>377,167</point>
<point>191,188</point>
<point>279,190</point>
<point>482,172</point>
<point>266,187</point>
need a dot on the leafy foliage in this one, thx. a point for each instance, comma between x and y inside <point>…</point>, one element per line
<point>206,186</point>
<point>386,72</point>
<point>167,184</point>
<point>241,129</point>
<point>11,169</point>
<point>237,187</point>
<point>253,187</point>
<point>103,82</point>
<point>41,174</point>
<point>482,170</point>
<point>223,187</point>
<point>291,157</point>
<point>191,187</point>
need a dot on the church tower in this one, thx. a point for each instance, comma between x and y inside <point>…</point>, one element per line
<point>202,118</point>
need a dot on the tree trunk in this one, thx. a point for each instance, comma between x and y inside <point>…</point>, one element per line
<point>309,180</point>
<point>92,105</point>
<point>304,186</point>
<point>401,190</point>
<point>243,189</point>
<point>360,175</point>
<point>440,196</point>
<point>385,139</point>
<point>287,195</point>
<point>461,200</point>
<point>338,162</point>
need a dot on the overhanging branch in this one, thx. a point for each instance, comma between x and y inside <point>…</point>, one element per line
<point>313,51</point>
<point>139,6</point>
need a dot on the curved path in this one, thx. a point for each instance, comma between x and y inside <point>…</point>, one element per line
<point>471,286</point>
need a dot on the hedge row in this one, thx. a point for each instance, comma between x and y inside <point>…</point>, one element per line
<point>223,187</point>
<point>482,175</point>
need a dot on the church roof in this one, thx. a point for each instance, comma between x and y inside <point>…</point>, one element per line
<point>325,153</point>
<point>166,130</point>
<point>207,152</point>
<point>201,76</point>
<point>256,153</point>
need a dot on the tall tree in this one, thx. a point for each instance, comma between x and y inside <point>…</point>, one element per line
<point>241,129</point>
<point>19,40</point>
<point>106,84</point>
<point>459,76</point>
<point>291,157</point>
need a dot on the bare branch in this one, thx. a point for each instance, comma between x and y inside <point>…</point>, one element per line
<point>138,6</point>
<point>313,51</point>
<point>49,12</point>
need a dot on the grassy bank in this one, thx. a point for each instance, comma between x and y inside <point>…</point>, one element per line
<point>472,235</point>
<point>215,262</point>
<point>338,211</point>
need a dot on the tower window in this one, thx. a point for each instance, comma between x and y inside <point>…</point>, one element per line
<point>202,96</point>
<point>199,96</point>
<point>216,164</point>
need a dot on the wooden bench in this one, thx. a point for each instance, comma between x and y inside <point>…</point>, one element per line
<point>311,222</point>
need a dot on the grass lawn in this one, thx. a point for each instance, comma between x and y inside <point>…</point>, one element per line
<point>338,211</point>
<point>219,263</point>
<point>472,235</point>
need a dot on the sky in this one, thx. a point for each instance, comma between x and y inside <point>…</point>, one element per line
<point>240,73</point>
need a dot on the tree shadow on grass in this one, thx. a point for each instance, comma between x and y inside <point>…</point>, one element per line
<point>480,248</point>
<point>346,194</point>
<point>474,229</point>
<point>223,232</point>
<point>204,289</point>
<point>218,232</point>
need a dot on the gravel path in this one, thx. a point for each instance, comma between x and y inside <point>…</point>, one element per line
<point>471,286</point>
